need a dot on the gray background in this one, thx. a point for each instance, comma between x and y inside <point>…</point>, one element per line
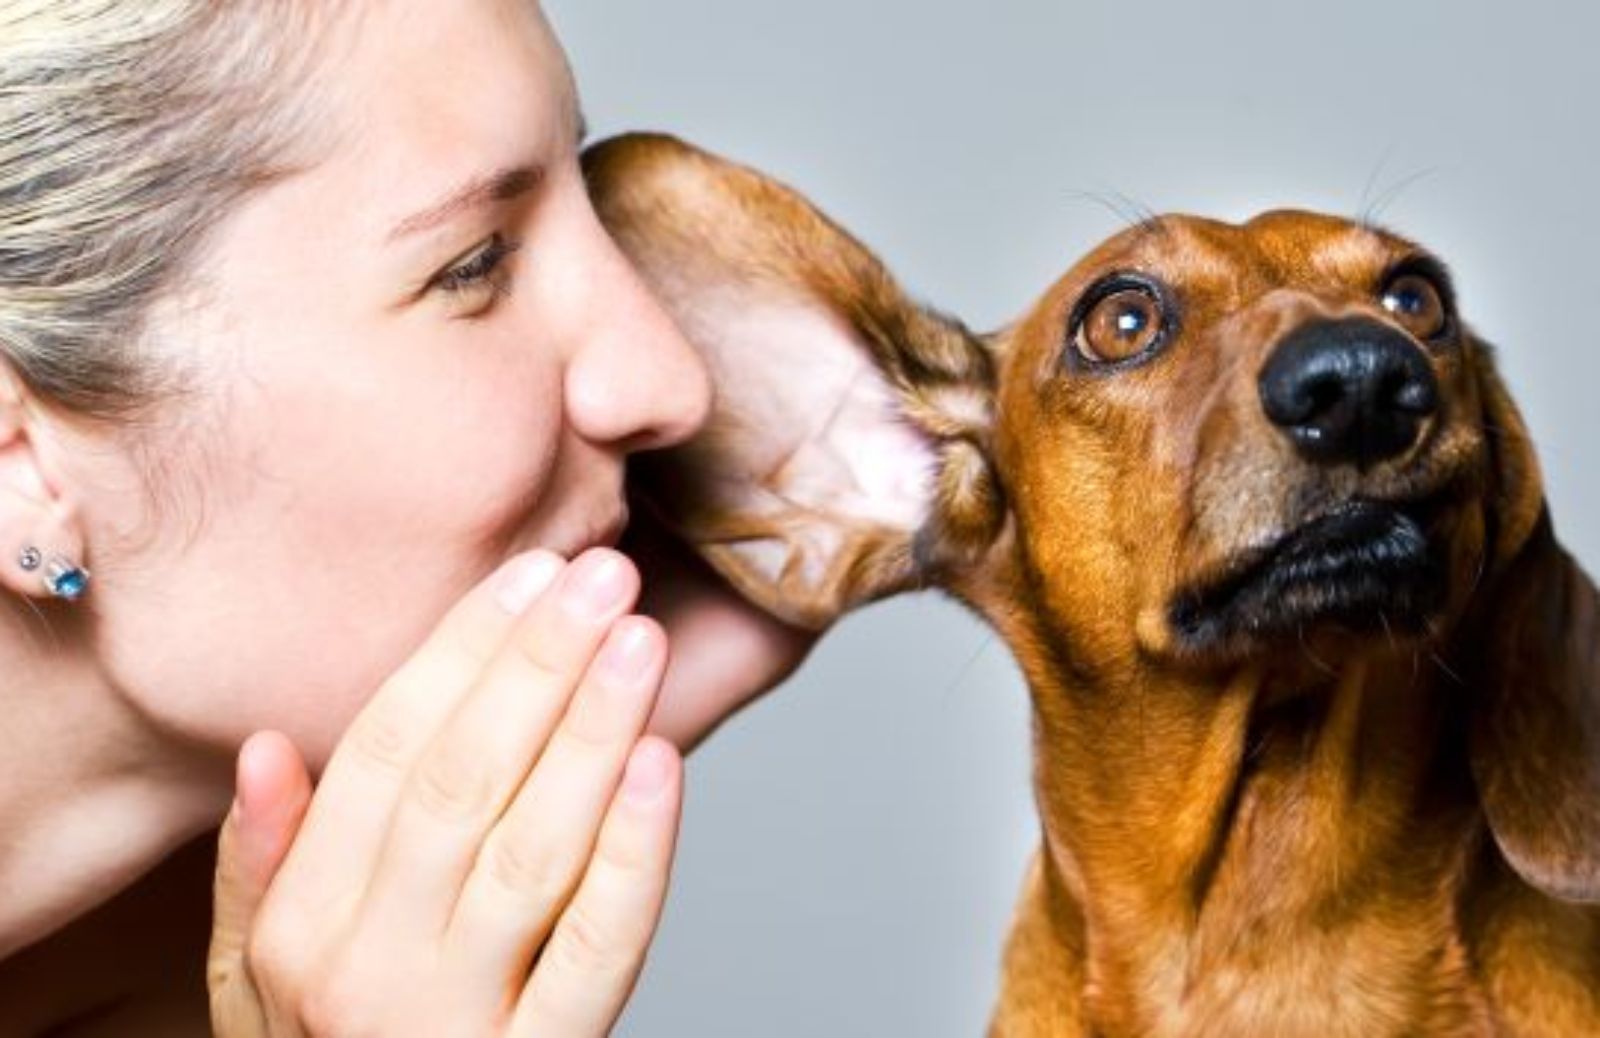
<point>853,843</point>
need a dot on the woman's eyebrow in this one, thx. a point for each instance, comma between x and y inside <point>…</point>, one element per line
<point>496,187</point>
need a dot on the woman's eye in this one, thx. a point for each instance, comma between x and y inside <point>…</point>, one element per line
<point>478,277</point>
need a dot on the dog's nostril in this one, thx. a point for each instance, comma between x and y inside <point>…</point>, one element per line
<point>1300,405</point>
<point>1322,395</point>
<point>1349,391</point>
<point>1418,396</point>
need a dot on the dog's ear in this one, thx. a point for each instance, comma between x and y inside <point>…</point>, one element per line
<point>1535,742</point>
<point>847,453</point>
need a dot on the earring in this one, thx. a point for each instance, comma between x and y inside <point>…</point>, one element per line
<point>65,579</point>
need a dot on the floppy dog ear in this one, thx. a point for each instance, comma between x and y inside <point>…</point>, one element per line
<point>846,455</point>
<point>1535,743</point>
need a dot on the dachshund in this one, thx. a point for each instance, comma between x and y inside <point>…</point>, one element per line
<point>1315,690</point>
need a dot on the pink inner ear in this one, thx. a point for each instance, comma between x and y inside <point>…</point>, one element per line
<point>806,440</point>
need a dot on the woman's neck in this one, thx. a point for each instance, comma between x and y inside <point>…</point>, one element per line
<point>93,795</point>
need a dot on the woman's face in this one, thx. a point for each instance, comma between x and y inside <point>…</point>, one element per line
<point>419,356</point>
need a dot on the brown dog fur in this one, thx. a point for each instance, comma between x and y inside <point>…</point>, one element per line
<point>1356,828</point>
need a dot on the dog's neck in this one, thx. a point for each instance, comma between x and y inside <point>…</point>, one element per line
<point>1202,833</point>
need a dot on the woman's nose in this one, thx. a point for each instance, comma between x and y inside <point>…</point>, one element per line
<point>635,382</point>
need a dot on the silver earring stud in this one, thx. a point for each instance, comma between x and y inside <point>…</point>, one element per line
<point>66,580</point>
<point>30,559</point>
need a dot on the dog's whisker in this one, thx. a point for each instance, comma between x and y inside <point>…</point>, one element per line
<point>1478,574</point>
<point>1149,222</point>
<point>965,671</point>
<point>1317,661</point>
<point>1445,667</point>
<point>1372,218</point>
<point>1133,214</point>
<point>1363,207</point>
<point>1104,202</point>
<point>1388,631</point>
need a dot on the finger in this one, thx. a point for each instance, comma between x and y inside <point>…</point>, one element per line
<point>344,829</point>
<point>592,961</point>
<point>472,769</point>
<point>272,791</point>
<point>531,862</point>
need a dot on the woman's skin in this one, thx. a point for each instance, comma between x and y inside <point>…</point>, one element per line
<point>420,361</point>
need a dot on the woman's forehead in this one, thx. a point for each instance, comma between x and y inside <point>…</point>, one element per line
<point>425,100</point>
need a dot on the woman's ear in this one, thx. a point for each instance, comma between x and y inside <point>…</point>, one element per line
<point>35,523</point>
<point>847,456</point>
<point>1535,740</point>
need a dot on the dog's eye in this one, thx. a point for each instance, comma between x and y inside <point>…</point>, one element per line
<point>1416,302</point>
<point>1120,326</point>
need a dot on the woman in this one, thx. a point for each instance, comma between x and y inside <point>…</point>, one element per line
<point>315,368</point>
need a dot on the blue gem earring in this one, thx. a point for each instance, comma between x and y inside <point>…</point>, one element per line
<point>66,580</point>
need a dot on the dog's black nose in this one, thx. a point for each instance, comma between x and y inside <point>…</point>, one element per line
<point>1351,390</point>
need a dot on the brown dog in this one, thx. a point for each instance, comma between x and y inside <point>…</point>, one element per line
<point>1316,693</point>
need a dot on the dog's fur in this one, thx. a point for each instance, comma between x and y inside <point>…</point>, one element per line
<point>1326,816</point>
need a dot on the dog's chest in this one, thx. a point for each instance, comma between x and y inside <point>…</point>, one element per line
<point>1322,902</point>
<point>1368,979</point>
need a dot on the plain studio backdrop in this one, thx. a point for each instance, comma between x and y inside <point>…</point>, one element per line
<point>853,844</point>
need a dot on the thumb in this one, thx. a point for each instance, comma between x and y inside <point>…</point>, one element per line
<point>272,790</point>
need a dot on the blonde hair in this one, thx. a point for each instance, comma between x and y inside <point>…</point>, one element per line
<point>127,128</point>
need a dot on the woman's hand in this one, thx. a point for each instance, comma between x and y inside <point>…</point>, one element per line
<point>488,850</point>
<point>726,651</point>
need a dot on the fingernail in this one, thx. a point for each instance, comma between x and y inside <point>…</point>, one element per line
<point>630,650</point>
<point>248,802</point>
<point>597,585</point>
<point>526,578</point>
<point>649,772</point>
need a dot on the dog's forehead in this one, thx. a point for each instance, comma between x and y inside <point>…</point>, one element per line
<point>1277,248</point>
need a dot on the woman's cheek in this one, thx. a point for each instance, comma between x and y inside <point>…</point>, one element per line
<point>509,454</point>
